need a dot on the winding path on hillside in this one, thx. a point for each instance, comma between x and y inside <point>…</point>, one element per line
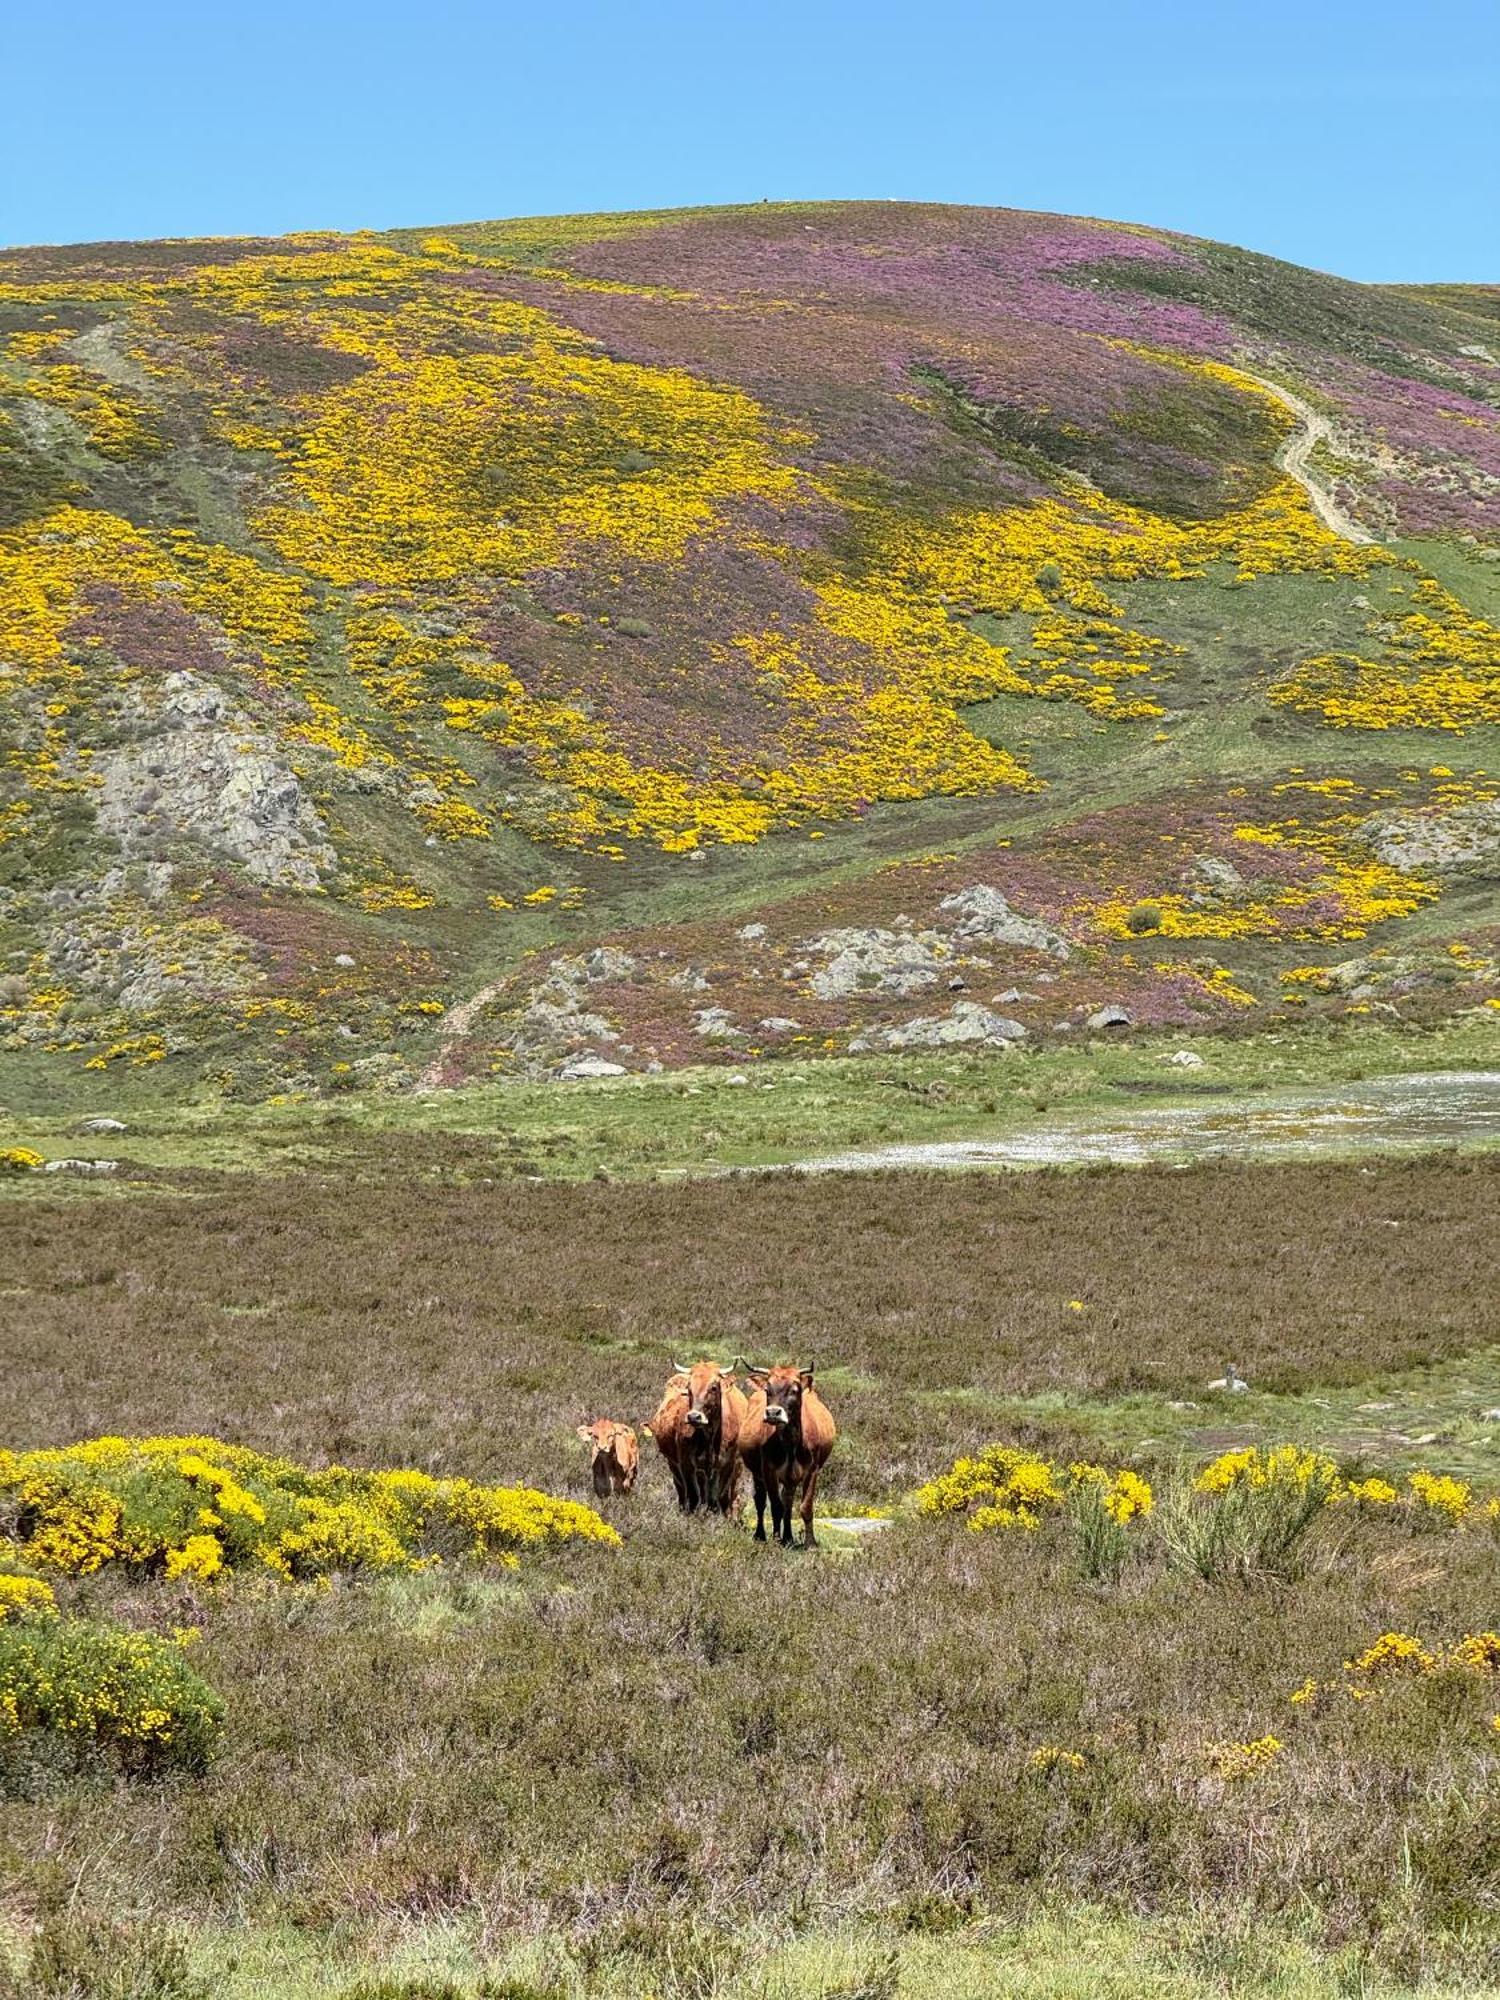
<point>456,1024</point>
<point>1294,457</point>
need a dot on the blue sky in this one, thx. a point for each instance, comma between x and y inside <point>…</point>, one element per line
<point>1356,138</point>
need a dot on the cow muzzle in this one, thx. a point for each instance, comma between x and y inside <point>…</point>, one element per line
<point>775,1414</point>
<point>698,1419</point>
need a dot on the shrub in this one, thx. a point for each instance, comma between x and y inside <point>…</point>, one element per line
<point>1248,1513</point>
<point>194,1508</point>
<point>19,1160</point>
<point>70,1957</point>
<point>1004,1488</point>
<point>1100,1507</point>
<point>94,1691</point>
<point>1142,918</point>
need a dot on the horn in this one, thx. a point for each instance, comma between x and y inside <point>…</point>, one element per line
<point>682,1368</point>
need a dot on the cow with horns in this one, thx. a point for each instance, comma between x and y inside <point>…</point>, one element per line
<point>697,1431</point>
<point>785,1440</point>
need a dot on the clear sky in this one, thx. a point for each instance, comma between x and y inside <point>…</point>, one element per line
<point>1358,138</point>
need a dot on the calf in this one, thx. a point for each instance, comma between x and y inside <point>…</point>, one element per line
<point>615,1456</point>
<point>785,1441</point>
<point>697,1431</point>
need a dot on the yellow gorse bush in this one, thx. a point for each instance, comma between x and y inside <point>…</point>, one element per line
<point>1007,1488</point>
<point>25,1597</point>
<point>195,1508</point>
<point>1398,1657</point>
<point>1232,1761</point>
<point>96,1689</point>
<point>1286,1465</point>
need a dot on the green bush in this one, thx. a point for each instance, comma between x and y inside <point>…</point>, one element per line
<point>73,1692</point>
<point>82,1958</point>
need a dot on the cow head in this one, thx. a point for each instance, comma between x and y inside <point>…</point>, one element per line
<point>600,1436</point>
<point>784,1389</point>
<point>706,1384</point>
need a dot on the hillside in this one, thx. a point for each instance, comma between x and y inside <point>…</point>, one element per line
<point>734,636</point>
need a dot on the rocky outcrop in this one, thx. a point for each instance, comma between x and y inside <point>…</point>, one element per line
<point>965,1021</point>
<point>1444,842</point>
<point>893,962</point>
<point>986,917</point>
<point>202,771</point>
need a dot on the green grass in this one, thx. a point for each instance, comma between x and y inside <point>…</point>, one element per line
<point>692,1120</point>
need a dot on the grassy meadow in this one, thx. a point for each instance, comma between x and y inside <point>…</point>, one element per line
<point>690,1766</point>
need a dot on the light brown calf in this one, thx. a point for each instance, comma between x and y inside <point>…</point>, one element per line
<point>616,1456</point>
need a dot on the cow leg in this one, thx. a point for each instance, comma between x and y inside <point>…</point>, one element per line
<point>788,1502</point>
<point>809,1539</point>
<point>758,1480</point>
<point>778,1507</point>
<point>679,1480</point>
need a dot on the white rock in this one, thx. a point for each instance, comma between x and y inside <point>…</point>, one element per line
<point>752,933</point>
<point>1186,1059</point>
<point>583,1069</point>
<point>103,1125</point>
<point>1113,1016</point>
<point>343,958</point>
<point>81,1167</point>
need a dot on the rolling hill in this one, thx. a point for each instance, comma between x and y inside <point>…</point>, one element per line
<point>731,635</point>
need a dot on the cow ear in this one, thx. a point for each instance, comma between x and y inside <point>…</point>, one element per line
<point>805,1377</point>
<point>585,1432</point>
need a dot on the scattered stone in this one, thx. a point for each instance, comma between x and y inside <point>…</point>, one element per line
<point>779,1024</point>
<point>1489,1416</point>
<point>1231,1382</point>
<point>738,1078</point>
<point>81,1167</point>
<point>343,958</point>
<point>1214,880</point>
<point>985,913</point>
<point>102,1125</point>
<point>717,1024</point>
<point>1113,1016</point>
<point>752,933</point>
<point>1186,1059</point>
<point>583,1069</point>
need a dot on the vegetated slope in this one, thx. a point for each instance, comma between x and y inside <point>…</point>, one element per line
<point>730,633</point>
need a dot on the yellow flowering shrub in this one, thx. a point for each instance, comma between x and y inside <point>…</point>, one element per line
<point>20,1160</point>
<point>1009,1490</point>
<point>1396,1658</point>
<point>194,1508</point>
<point>1052,1757</point>
<point>93,1691</point>
<point>1439,1499</point>
<point>1233,1761</point>
<point>24,1596</point>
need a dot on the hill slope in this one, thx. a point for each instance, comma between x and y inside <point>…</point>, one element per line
<point>730,633</point>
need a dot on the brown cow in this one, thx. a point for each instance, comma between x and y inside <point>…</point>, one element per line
<point>785,1440</point>
<point>697,1431</point>
<point>615,1455</point>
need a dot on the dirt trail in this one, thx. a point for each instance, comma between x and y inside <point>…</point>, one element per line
<point>1294,456</point>
<point>456,1024</point>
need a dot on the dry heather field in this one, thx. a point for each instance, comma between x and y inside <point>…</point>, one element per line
<point>1138,1706</point>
